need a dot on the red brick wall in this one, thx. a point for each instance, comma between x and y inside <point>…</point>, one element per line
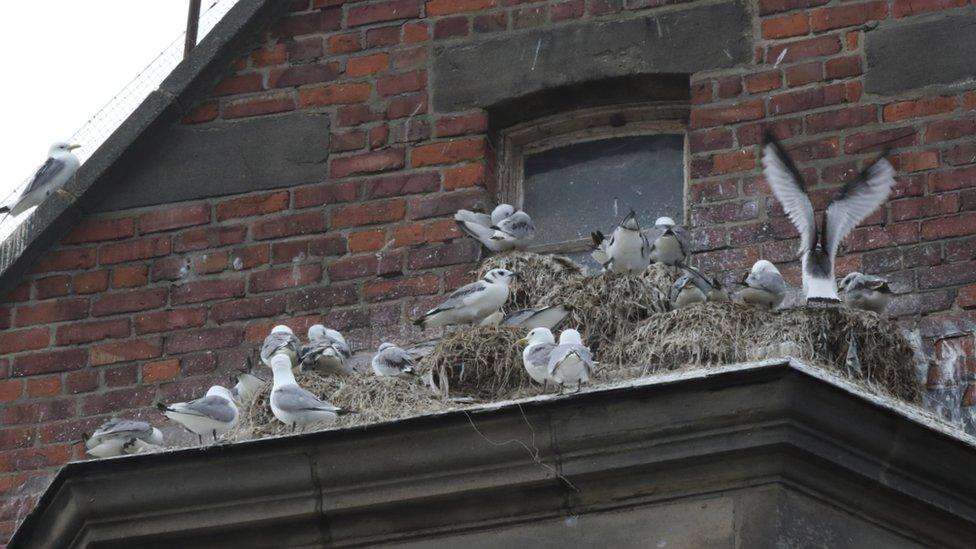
<point>156,303</point>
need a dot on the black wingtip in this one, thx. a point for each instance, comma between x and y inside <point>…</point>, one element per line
<point>4,209</point>
<point>598,238</point>
<point>162,407</point>
<point>345,411</point>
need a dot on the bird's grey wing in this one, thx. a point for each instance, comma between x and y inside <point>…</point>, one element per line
<point>396,357</point>
<point>857,200</point>
<point>423,348</point>
<point>681,235</point>
<point>314,349</point>
<point>540,354</point>
<point>47,172</point>
<point>519,225</point>
<point>516,318</point>
<point>771,282</point>
<point>704,283</point>
<point>293,398</point>
<point>275,342</point>
<point>341,346</point>
<point>787,185</point>
<point>212,406</point>
<point>555,357</point>
<point>119,428</point>
<point>473,217</point>
<point>873,282</point>
<point>676,287</point>
<point>458,297</point>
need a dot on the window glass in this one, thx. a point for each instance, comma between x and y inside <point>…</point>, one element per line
<point>572,190</point>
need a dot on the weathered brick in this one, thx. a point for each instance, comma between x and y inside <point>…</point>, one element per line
<point>125,375</point>
<point>267,57</point>
<point>303,74</point>
<point>444,204</point>
<point>366,65</point>
<point>46,312</point>
<point>448,152</point>
<point>820,46</point>
<point>174,218</point>
<point>378,136</point>
<point>204,112</point>
<point>879,140</point>
<point>118,400</point>
<point>81,382</point>
<point>130,276</point>
<point>209,263</point>
<point>847,15</point>
<point>382,11</point>
<point>452,27</point>
<point>96,330</point>
<point>254,307</point>
<point>448,7</point>
<point>383,36</point>
<point>258,204</point>
<point>371,162</point>
<point>327,245</point>
<point>950,129</point>
<point>460,177</point>
<point>842,67</point>
<point>408,106</point>
<point>786,26</point>
<point>68,259</point>
<point>125,351</point>
<point>919,108</point>
<point>454,125</point>
<point>48,362</point>
<point>128,302</point>
<point>573,9</point>
<point>905,8</point>
<point>15,341</point>
<point>909,162</point>
<point>11,389</point>
<point>16,437</point>
<point>368,213</point>
<point>959,155</point>
<point>724,212</point>
<point>351,140</point>
<point>960,178</point>
<point>851,117</point>
<point>290,225</point>
<point>443,229</point>
<point>258,106</point>
<point>90,282</point>
<point>331,193</point>
<point>334,94</point>
<point>413,57</point>
<point>767,7</point>
<point>947,227</point>
<point>34,458</point>
<point>97,230</point>
<point>133,250</point>
<point>308,23</point>
<point>967,297</point>
<point>803,100</point>
<point>453,253</point>
<point>718,116</point>
<point>207,290</point>
<point>366,265</point>
<point>366,241</point>
<point>287,277</point>
<point>203,339</point>
<point>399,185</point>
<point>408,235</point>
<point>166,321</point>
<point>804,73</point>
<point>209,237</point>
<point>343,43</point>
<point>323,297</point>
<point>52,286</point>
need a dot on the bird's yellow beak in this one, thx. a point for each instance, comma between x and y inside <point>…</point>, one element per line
<point>73,146</point>
<point>523,342</point>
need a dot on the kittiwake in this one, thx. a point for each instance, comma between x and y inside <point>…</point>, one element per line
<point>505,229</point>
<point>281,341</point>
<point>539,343</point>
<point>214,414</point>
<point>868,292</point>
<point>685,292</point>
<point>60,165</point>
<point>471,303</point>
<point>537,317</point>
<point>295,406</point>
<point>326,352</point>
<point>570,362</point>
<point>626,251</point>
<point>247,387</point>
<point>391,360</point>
<point>123,436</point>
<point>764,286</point>
<point>669,243</point>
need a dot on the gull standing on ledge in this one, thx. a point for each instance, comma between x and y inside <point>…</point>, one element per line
<point>818,247</point>
<point>214,414</point>
<point>123,436</point>
<point>535,357</point>
<point>393,361</point>
<point>626,251</point>
<point>61,164</point>
<point>669,243</point>
<point>764,286</point>
<point>570,362</point>
<point>506,228</point>
<point>295,406</point>
<point>868,292</point>
<point>326,352</point>
<point>281,341</point>
<point>471,303</point>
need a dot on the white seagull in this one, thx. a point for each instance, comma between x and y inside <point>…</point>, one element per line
<point>281,341</point>
<point>393,361</point>
<point>570,362</point>
<point>818,247</point>
<point>537,317</point>
<point>295,406</point>
<point>669,243</point>
<point>505,229</point>
<point>214,414</point>
<point>61,164</point>
<point>764,286</point>
<point>626,251</point>
<point>123,436</point>
<point>246,388</point>
<point>471,303</point>
<point>868,292</point>
<point>685,291</point>
<point>326,352</point>
<point>539,343</point>
<point>709,285</point>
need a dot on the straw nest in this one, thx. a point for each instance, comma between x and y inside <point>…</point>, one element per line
<point>538,274</point>
<point>373,398</point>
<point>724,333</point>
<point>483,362</point>
<point>609,305</point>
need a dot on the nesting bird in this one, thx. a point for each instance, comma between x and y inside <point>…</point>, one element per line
<point>685,292</point>
<point>709,285</point>
<point>327,351</point>
<point>669,243</point>
<point>765,286</point>
<point>281,341</point>
<point>246,388</point>
<point>539,344</point>
<point>471,303</point>
<point>295,406</point>
<point>570,362</point>
<point>537,317</point>
<point>818,246</point>
<point>393,361</point>
<point>626,251</point>
<point>60,165</point>
<point>214,414</point>
<point>506,228</point>
<point>868,292</point>
<point>123,436</point>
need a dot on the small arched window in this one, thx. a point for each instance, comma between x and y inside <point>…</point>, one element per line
<point>583,171</point>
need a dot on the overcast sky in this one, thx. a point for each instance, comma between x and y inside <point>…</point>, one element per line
<point>64,60</point>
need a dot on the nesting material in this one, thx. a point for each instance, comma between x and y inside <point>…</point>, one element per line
<point>538,274</point>
<point>725,333</point>
<point>374,398</point>
<point>608,305</point>
<point>484,362</point>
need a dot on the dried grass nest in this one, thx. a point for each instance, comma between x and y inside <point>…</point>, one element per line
<point>373,398</point>
<point>482,362</point>
<point>538,274</point>
<point>726,333</point>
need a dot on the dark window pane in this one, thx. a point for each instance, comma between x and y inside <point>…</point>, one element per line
<point>573,190</point>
